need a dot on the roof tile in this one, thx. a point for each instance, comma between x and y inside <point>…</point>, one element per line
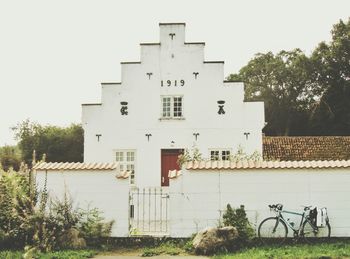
<point>306,148</point>
<point>75,166</point>
<point>248,164</point>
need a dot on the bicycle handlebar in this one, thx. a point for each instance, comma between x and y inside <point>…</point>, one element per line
<point>277,206</point>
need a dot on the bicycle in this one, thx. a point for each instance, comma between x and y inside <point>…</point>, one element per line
<point>276,227</point>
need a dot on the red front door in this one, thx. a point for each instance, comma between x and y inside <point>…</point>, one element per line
<point>169,162</point>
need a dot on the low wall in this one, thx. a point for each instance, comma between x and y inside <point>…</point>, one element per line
<point>199,197</point>
<point>93,188</point>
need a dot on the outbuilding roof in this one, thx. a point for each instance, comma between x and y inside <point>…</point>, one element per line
<point>223,165</point>
<point>75,166</point>
<point>306,148</point>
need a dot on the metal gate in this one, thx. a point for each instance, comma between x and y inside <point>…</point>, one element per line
<point>149,211</point>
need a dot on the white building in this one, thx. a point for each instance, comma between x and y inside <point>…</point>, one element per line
<point>173,100</point>
<point>169,101</point>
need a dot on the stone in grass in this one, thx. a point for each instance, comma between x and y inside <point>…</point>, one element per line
<point>212,239</point>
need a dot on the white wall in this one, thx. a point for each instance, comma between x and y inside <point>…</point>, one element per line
<point>198,197</point>
<point>100,189</point>
<point>170,60</point>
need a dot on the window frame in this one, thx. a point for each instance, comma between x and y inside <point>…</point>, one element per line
<point>172,107</point>
<point>220,153</point>
<point>123,165</point>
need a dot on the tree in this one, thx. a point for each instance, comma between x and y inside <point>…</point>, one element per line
<point>10,157</point>
<point>331,70</point>
<point>282,81</point>
<point>58,143</point>
<point>303,95</point>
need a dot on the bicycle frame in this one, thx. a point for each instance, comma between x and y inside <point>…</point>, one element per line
<point>295,230</point>
<point>304,217</point>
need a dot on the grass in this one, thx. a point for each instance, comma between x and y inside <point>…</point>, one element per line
<point>324,251</point>
<point>303,251</point>
<point>77,254</point>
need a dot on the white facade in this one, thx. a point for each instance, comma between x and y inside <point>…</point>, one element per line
<point>200,85</point>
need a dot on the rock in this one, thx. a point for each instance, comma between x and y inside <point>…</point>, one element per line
<point>71,240</point>
<point>211,239</point>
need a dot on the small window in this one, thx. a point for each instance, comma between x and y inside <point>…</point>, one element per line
<point>126,159</point>
<point>225,154</point>
<point>214,155</point>
<point>119,156</point>
<point>172,107</point>
<point>220,154</point>
<point>166,107</point>
<point>177,106</point>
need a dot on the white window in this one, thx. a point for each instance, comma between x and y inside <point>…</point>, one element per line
<point>172,107</point>
<point>126,160</point>
<point>220,154</point>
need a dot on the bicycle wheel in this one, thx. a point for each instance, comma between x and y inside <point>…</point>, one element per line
<point>312,233</point>
<point>272,229</point>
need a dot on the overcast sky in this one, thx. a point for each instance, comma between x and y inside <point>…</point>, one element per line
<point>54,54</point>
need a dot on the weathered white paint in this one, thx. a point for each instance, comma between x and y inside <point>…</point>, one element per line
<point>198,197</point>
<point>96,189</point>
<point>170,60</point>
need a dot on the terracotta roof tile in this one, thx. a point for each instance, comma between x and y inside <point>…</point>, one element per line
<point>123,175</point>
<point>223,165</point>
<point>306,148</point>
<point>75,166</point>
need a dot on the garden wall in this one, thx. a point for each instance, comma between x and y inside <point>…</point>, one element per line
<point>93,188</point>
<point>199,197</point>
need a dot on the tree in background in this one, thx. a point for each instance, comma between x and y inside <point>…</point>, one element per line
<point>303,95</point>
<point>58,143</point>
<point>331,70</point>
<point>283,83</point>
<point>10,157</point>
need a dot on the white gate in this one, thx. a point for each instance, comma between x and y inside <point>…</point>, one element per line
<point>149,211</point>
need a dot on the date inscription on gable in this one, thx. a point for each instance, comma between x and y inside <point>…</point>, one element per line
<point>169,83</point>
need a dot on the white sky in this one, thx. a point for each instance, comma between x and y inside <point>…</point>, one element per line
<point>54,54</point>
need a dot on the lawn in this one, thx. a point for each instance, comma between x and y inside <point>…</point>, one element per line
<point>53,255</point>
<point>302,251</point>
<point>326,251</point>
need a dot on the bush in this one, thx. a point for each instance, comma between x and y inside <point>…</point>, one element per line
<point>17,200</point>
<point>92,226</point>
<point>238,219</point>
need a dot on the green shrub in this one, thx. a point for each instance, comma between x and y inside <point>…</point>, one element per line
<point>53,226</point>
<point>188,246</point>
<point>17,201</point>
<point>92,226</point>
<point>238,219</point>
